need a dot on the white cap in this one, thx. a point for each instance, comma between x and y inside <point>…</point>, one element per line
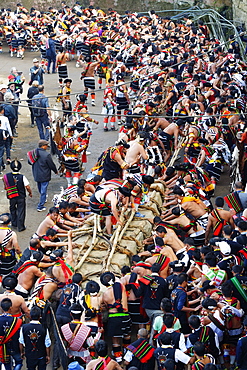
<point>3,86</point>
<point>224,248</point>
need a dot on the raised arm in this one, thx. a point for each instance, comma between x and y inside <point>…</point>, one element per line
<point>69,258</point>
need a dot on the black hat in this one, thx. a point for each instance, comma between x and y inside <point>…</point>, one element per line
<point>180,122</point>
<point>170,171</point>
<point>132,182</point>
<point>107,278</point>
<point>11,83</point>
<point>82,97</point>
<point>120,76</point>
<point>15,166</point>
<point>159,241</point>
<point>128,125</point>
<point>177,265</point>
<point>149,180</point>
<point>123,143</point>
<point>207,285</point>
<point>36,256</point>
<point>126,192</point>
<point>56,254</point>
<point>143,135</point>
<point>92,287</point>
<point>10,282</point>
<point>151,248</point>
<point>178,191</point>
<point>76,308</point>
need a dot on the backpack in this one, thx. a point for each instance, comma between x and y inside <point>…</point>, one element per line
<point>32,156</point>
<point>37,106</point>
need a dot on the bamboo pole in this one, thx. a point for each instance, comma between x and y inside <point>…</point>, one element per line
<point>127,224</point>
<point>91,246</point>
<point>114,244</point>
<point>175,154</point>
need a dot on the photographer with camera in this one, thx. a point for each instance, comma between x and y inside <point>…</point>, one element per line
<point>36,72</point>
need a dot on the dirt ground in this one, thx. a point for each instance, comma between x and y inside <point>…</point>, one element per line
<point>28,137</point>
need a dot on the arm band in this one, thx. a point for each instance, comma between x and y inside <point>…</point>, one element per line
<point>124,165</point>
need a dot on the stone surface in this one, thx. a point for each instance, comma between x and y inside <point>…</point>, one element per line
<point>239,8</point>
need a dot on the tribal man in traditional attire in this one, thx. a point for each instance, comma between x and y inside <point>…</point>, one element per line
<point>70,149</point>
<point>78,337</point>
<point>119,322</point>
<point>8,245</point>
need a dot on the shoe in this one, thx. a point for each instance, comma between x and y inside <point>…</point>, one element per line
<point>4,166</point>
<point>20,230</point>
<point>32,125</point>
<point>113,128</point>
<point>100,87</point>
<point>48,72</point>
<point>15,134</point>
<point>56,367</point>
<point>46,198</point>
<point>138,214</point>
<point>8,161</point>
<point>105,129</point>
<point>93,103</point>
<point>83,169</point>
<point>41,209</point>
<point>88,153</point>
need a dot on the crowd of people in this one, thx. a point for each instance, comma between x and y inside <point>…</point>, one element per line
<point>170,87</point>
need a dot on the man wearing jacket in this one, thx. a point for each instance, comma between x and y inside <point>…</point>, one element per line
<point>42,113</point>
<point>51,53</point>
<point>42,168</point>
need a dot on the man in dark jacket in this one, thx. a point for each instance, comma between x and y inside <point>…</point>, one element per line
<point>35,342</point>
<point>33,90</point>
<point>42,168</point>
<point>51,53</point>
<point>152,288</point>
<point>42,113</point>
<point>10,111</point>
